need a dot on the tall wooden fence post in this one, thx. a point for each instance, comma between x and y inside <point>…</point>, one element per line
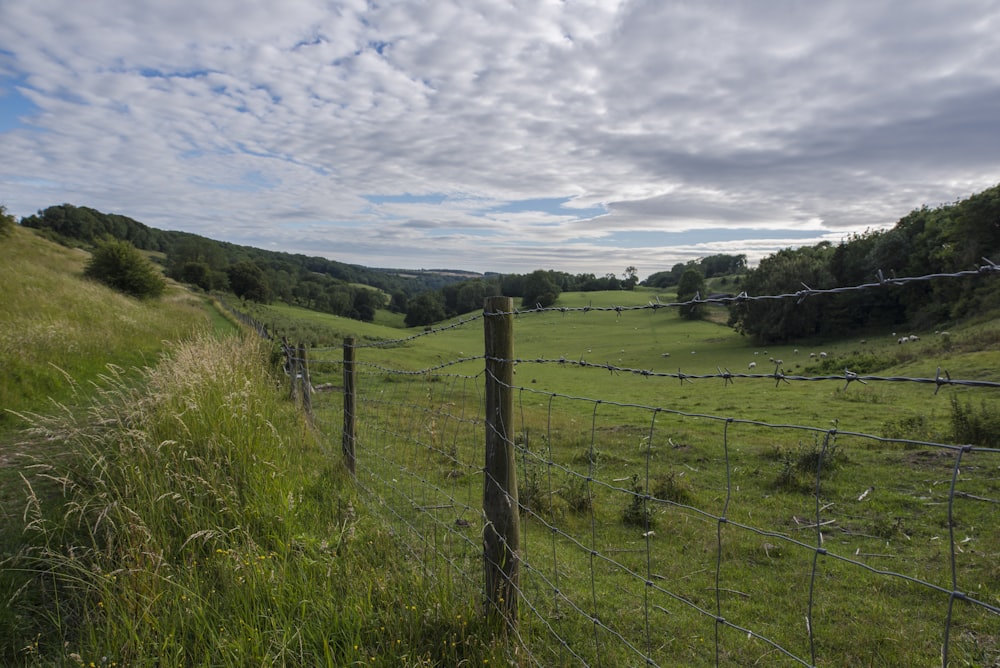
<point>349,403</point>
<point>291,366</point>
<point>502,533</point>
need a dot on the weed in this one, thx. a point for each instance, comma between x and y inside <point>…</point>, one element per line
<point>576,493</point>
<point>797,470</point>
<point>975,426</point>
<point>638,513</point>
<point>670,486</point>
<point>912,427</point>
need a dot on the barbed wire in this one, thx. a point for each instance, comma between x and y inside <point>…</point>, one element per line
<point>415,502</point>
<point>988,268</point>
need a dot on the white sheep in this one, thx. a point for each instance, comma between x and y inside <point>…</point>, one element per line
<point>823,355</point>
<point>752,365</point>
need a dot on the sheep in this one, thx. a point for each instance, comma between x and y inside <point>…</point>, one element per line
<point>823,355</point>
<point>914,337</point>
<point>752,365</point>
<point>903,339</point>
<point>664,354</point>
<point>812,354</point>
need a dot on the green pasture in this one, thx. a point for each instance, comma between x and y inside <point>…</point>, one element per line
<point>583,465</point>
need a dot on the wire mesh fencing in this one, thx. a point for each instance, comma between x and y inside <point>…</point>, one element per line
<point>699,517</point>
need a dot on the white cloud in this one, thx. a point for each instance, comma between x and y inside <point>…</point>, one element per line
<point>273,124</point>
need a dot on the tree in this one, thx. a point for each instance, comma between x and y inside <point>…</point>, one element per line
<point>631,278</point>
<point>6,222</point>
<point>119,265</point>
<point>692,283</point>
<point>246,280</point>
<point>426,309</point>
<point>539,290</point>
<point>785,272</point>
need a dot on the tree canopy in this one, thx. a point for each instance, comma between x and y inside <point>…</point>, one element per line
<point>947,239</point>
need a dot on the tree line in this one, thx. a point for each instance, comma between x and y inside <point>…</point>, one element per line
<point>250,273</point>
<point>541,287</point>
<point>950,238</point>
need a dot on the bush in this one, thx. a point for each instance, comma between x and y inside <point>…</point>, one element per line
<point>637,513</point>
<point>974,426</point>
<point>119,265</point>
<point>6,222</point>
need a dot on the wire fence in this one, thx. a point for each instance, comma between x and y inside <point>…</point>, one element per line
<point>667,519</point>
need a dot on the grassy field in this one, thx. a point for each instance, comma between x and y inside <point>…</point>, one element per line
<point>187,514</point>
<point>749,449</point>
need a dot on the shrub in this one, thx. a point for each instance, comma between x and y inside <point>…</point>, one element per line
<point>637,513</point>
<point>975,426</point>
<point>671,487</point>
<point>119,265</point>
<point>6,222</point>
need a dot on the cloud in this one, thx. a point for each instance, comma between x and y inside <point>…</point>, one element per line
<point>501,135</point>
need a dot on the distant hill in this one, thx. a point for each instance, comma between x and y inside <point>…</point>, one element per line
<point>262,275</point>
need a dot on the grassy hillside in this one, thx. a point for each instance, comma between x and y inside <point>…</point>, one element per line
<point>184,513</point>
<point>59,330</point>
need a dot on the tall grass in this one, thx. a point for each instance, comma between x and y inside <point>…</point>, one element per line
<point>203,523</point>
<point>58,330</point>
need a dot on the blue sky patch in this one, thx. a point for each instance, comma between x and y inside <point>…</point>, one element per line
<point>555,206</point>
<point>406,198</point>
<point>13,105</point>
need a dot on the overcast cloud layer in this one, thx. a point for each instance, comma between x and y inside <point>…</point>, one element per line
<point>491,135</point>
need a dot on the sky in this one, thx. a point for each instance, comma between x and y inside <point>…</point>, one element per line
<point>584,136</point>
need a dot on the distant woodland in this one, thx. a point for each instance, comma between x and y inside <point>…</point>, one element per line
<point>949,238</point>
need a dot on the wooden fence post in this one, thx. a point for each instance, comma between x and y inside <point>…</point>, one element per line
<point>349,404</point>
<point>291,365</point>
<point>305,383</point>
<point>502,533</point>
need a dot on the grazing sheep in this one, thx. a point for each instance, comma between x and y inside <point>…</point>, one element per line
<point>903,339</point>
<point>752,365</point>
<point>823,355</point>
<point>812,354</point>
<point>914,337</point>
<point>664,354</point>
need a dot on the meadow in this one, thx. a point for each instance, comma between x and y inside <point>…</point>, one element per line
<point>608,453</point>
<point>172,506</point>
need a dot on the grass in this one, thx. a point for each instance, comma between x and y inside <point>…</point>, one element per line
<point>201,521</point>
<point>180,511</point>
<point>48,344</point>
<point>584,466</point>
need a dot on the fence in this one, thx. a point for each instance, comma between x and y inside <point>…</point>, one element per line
<point>676,518</point>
